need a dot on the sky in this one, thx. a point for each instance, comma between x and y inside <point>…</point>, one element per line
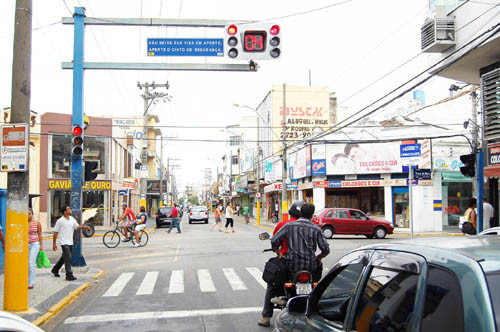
<point>349,46</point>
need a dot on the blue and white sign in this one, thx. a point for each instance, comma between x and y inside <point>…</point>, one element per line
<point>185,47</point>
<point>122,192</point>
<point>422,173</point>
<point>410,150</point>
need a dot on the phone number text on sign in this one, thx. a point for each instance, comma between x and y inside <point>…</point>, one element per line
<point>14,148</point>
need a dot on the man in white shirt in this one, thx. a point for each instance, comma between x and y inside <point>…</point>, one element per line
<point>65,227</point>
<point>488,214</point>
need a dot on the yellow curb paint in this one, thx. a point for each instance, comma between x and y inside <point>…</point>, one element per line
<point>98,275</point>
<point>15,297</point>
<point>60,305</point>
<point>151,229</point>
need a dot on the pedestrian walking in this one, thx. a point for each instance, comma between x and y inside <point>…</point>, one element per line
<point>488,214</point>
<point>229,218</point>
<point>175,220</point>
<point>218,221</point>
<point>65,228</point>
<point>35,244</point>
<point>245,214</point>
<point>238,210</point>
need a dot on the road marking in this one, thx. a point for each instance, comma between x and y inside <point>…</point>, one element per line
<point>234,280</point>
<point>176,282</point>
<point>205,280</point>
<point>160,315</point>
<point>148,283</point>
<point>120,283</point>
<point>257,274</point>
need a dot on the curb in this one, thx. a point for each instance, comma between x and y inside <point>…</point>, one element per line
<point>56,308</point>
<point>265,227</point>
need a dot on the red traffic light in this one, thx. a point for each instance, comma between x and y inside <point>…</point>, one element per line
<point>275,29</point>
<point>232,29</point>
<point>77,130</point>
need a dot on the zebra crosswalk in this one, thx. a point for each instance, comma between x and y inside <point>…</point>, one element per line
<point>237,280</point>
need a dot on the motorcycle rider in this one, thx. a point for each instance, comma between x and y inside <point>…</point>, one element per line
<point>276,290</point>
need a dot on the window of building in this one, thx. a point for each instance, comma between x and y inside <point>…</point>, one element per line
<point>234,160</point>
<point>443,302</point>
<point>387,302</point>
<point>234,140</point>
<point>95,149</point>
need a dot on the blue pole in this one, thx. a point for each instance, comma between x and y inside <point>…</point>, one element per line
<point>76,163</point>
<point>480,190</point>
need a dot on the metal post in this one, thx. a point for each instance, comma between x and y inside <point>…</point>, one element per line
<point>77,119</point>
<point>16,230</point>
<point>480,189</point>
<point>161,173</point>
<point>144,151</point>
<point>258,172</point>
<point>284,196</point>
<point>410,196</point>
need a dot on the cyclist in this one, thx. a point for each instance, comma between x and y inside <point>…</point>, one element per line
<point>139,225</point>
<point>129,214</point>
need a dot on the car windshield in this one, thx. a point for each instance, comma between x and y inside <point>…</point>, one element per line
<point>494,286</point>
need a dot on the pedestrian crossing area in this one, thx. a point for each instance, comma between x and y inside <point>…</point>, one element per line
<point>146,283</point>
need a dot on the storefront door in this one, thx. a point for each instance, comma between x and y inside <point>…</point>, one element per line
<point>400,206</point>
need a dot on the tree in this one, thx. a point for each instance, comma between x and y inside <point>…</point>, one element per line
<point>193,200</point>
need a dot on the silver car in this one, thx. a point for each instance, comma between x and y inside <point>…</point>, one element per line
<point>198,213</point>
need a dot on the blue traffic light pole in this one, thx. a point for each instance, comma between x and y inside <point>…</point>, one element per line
<point>77,119</point>
<point>480,189</point>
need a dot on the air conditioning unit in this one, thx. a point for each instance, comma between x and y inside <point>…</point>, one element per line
<point>438,32</point>
<point>490,99</point>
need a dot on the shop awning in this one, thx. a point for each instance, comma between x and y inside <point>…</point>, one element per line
<point>492,172</point>
<point>455,177</point>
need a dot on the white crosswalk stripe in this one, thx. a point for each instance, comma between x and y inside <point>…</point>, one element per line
<point>205,281</point>
<point>119,284</point>
<point>148,283</point>
<point>257,274</point>
<point>234,280</point>
<point>176,282</point>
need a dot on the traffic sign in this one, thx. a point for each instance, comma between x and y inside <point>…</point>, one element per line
<point>257,195</point>
<point>185,47</point>
<point>14,147</point>
<point>422,173</point>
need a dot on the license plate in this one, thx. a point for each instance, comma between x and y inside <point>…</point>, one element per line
<point>303,289</point>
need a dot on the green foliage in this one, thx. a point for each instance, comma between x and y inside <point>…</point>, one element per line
<point>193,200</point>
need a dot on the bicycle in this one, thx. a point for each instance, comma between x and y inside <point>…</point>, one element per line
<point>111,239</point>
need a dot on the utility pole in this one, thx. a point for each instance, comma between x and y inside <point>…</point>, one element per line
<point>258,172</point>
<point>284,196</point>
<point>477,146</point>
<point>149,97</point>
<point>16,232</point>
<point>161,173</point>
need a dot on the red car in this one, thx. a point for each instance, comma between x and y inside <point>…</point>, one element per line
<point>352,222</point>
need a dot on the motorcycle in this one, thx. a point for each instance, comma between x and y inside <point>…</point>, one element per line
<point>301,283</point>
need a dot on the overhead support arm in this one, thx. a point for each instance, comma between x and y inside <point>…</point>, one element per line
<point>162,22</point>
<point>252,66</point>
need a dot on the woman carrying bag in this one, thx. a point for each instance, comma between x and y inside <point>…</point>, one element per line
<point>470,224</point>
<point>35,245</point>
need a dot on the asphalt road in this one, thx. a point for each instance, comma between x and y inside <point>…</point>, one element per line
<point>194,281</point>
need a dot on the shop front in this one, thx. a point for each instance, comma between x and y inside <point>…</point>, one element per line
<point>153,196</point>
<point>95,195</point>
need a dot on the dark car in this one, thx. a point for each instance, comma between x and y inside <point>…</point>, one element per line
<point>427,284</point>
<point>351,222</point>
<point>163,216</point>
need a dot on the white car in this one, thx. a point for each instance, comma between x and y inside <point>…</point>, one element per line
<point>12,323</point>
<point>491,231</point>
<point>198,213</point>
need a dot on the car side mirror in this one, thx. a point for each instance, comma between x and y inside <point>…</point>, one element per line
<point>298,305</point>
<point>264,236</point>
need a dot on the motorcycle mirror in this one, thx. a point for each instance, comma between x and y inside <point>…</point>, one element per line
<point>264,236</point>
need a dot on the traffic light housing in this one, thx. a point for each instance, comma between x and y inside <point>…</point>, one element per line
<point>468,169</point>
<point>90,166</point>
<point>77,142</point>
<point>252,41</point>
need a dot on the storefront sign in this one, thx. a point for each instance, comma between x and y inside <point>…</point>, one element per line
<point>128,185</point>
<point>318,167</point>
<point>273,169</point>
<point>307,108</point>
<point>308,160</point>
<point>246,161</point>
<point>304,186</point>
<point>153,186</point>
<point>366,183</point>
<point>447,163</point>
<point>122,192</point>
<point>292,185</point>
<point>493,154</point>
<point>91,185</point>
<point>272,187</point>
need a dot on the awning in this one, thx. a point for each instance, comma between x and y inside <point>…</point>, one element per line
<point>491,172</point>
<point>455,177</point>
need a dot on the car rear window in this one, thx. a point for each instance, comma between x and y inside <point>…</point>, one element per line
<point>198,209</point>
<point>165,210</point>
<point>494,286</point>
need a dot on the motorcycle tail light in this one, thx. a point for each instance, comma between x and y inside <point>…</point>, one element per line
<point>303,277</point>
<point>288,285</point>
